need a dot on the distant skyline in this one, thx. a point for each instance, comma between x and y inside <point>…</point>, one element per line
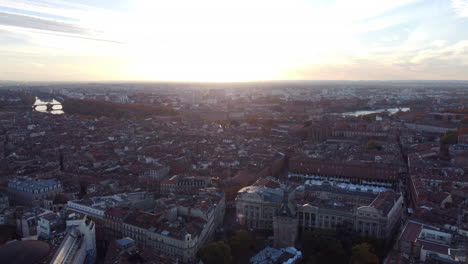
<point>216,40</point>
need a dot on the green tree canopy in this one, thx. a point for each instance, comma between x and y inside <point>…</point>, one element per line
<point>372,144</point>
<point>450,137</point>
<point>363,255</point>
<point>242,240</point>
<point>303,133</point>
<point>216,252</point>
<point>321,247</point>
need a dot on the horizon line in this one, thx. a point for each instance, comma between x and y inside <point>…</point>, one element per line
<point>226,82</point>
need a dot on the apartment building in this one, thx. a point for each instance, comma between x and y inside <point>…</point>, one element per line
<point>32,192</point>
<point>177,227</point>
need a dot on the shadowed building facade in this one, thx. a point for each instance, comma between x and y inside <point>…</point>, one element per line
<point>319,206</point>
<point>285,225</point>
<point>32,193</point>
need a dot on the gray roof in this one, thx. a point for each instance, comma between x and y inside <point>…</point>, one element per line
<point>35,185</point>
<point>267,194</point>
<point>124,242</point>
<point>332,189</point>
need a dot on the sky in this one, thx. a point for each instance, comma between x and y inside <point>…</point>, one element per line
<point>240,40</point>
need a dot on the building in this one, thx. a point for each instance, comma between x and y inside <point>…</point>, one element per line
<point>318,132</point>
<point>348,133</point>
<point>32,192</point>
<point>7,216</point>
<point>459,152</point>
<point>369,214</point>
<point>184,184</point>
<point>79,244</point>
<point>323,206</point>
<point>422,242</point>
<point>285,225</point>
<point>49,225</point>
<point>256,206</point>
<point>26,251</point>
<point>97,206</point>
<point>177,227</point>
<point>27,221</point>
<point>354,172</point>
<point>126,251</point>
<point>156,173</point>
<point>270,255</point>
<point>4,203</point>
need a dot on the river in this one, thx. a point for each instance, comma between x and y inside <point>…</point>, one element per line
<point>390,111</point>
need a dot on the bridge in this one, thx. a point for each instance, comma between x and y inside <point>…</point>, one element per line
<point>50,106</point>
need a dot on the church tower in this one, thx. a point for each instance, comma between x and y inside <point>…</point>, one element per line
<point>285,224</point>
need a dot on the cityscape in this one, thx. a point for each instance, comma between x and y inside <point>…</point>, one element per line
<point>268,172</point>
<point>234,132</point>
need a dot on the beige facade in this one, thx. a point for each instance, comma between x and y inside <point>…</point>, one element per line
<point>327,207</point>
<point>256,206</point>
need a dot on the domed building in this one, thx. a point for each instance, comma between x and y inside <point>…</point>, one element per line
<point>24,252</point>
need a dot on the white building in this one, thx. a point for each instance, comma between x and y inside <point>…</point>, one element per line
<point>79,245</point>
<point>96,206</point>
<point>27,222</point>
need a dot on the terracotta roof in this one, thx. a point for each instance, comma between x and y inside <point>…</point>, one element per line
<point>438,248</point>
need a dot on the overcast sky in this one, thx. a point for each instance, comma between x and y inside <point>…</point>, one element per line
<point>217,40</point>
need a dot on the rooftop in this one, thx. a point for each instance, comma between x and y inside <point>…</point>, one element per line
<point>33,184</point>
<point>265,193</point>
<point>104,202</point>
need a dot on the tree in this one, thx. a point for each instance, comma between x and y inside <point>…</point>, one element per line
<point>235,123</point>
<point>363,255</point>
<point>303,133</point>
<point>252,119</point>
<point>372,144</point>
<point>97,108</point>
<point>222,123</point>
<point>450,137</point>
<point>369,117</point>
<point>377,246</point>
<point>216,252</point>
<point>277,108</point>
<point>242,241</point>
<point>320,246</point>
<point>347,236</point>
<point>242,245</point>
<point>419,116</point>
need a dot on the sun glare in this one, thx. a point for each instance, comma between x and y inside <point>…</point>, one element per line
<point>182,42</point>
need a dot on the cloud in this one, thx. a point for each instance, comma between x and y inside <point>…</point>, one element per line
<point>17,20</point>
<point>460,7</point>
<point>50,27</point>
<point>53,7</point>
<point>60,18</point>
